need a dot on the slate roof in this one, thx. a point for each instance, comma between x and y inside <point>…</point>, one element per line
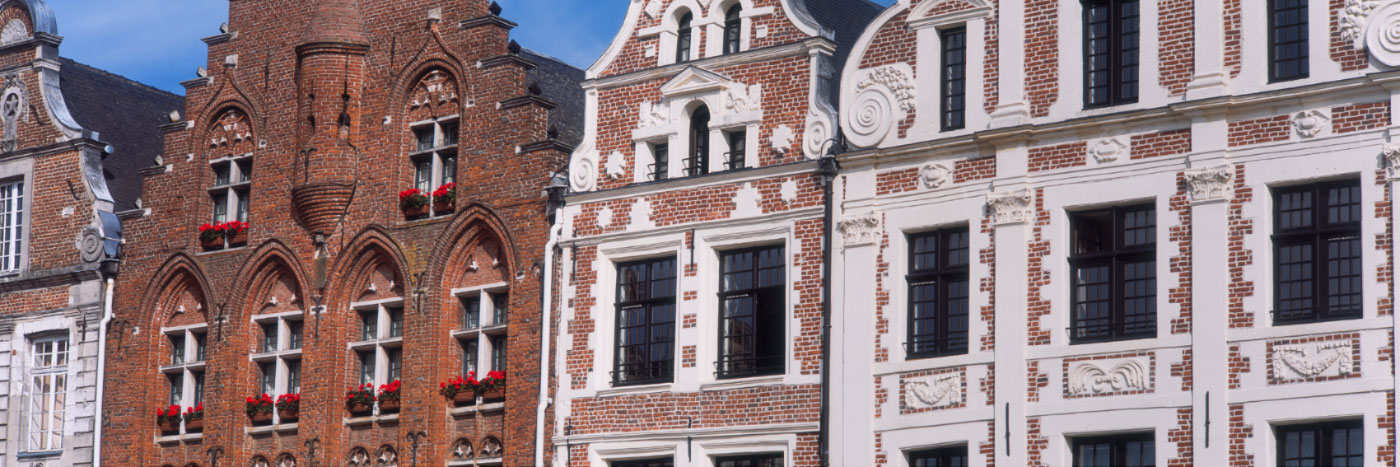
<point>125,114</point>
<point>559,82</point>
<point>848,19</point>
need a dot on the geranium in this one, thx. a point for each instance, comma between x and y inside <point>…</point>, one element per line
<point>169,414</point>
<point>492,379</point>
<point>362,394</point>
<point>412,198</point>
<point>458,384</point>
<point>390,392</point>
<point>258,405</point>
<point>211,232</point>
<point>235,227</point>
<point>289,402</point>
<point>445,194</point>
<point>195,413</point>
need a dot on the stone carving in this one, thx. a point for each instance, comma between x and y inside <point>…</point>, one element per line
<point>1306,361</point>
<point>1089,378</point>
<point>935,175</point>
<point>1351,20</point>
<point>1383,32</point>
<point>782,139</point>
<point>387,456</point>
<point>652,115</point>
<point>653,9</point>
<point>259,461</point>
<point>583,172</point>
<point>437,88</point>
<point>860,230</point>
<point>788,191</point>
<point>1309,123</point>
<point>1107,150</point>
<point>741,99</point>
<point>491,447</point>
<point>819,131</point>
<point>883,97</point>
<point>462,450</point>
<point>1390,155</point>
<point>605,217</point>
<point>615,166</point>
<point>286,460</point>
<point>359,457</point>
<point>90,245</point>
<point>933,391</point>
<point>15,31</point>
<point>1009,208</point>
<point>14,106</point>
<point>746,202</point>
<point>231,135</point>
<point>1210,184</point>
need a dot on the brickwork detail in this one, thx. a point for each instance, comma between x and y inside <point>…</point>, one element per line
<point>971,170</point>
<point>1038,276</point>
<point>1161,144</point>
<point>668,411</point>
<point>1042,55</point>
<point>1184,370</point>
<point>1233,24</point>
<point>1238,365</point>
<point>1035,380</point>
<point>1180,435</point>
<point>1258,131</point>
<point>1239,257</point>
<point>1340,49</point>
<point>1360,117</point>
<point>988,285</point>
<point>1239,432</point>
<point>1061,156</point>
<point>882,298</point>
<point>1036,443</point>
<point>896,181</point>
<point>991,75</point>
<point>1176,45</point>
<point>1385,454</point>
<point>1180,264</point>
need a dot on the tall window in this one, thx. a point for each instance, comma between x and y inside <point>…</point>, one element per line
<point>380,350</point>
<point>434,155</point>
<point>751,460</point>
<point>480,331</point>
<point>1317,252</point>
<point>752,312</point>
<point>953,456</point>
<point>1110,52</point>
<point>232,180</point>
<point>1288,39</point>
<point>938,293</point>
<point>48,391</point>
<point>1113,257</point>
<point>280,358</point>
<point>1132,450</point>
<point>683,38</point>
<point>469,355</point>
<point>498,353</point>
<point>661,154</point>
<point>698,162</point>
<point>733,24</point>
<point>11,225</point>
<point>738,141</point>
<point>646,321</point>
<point>1333,443</point>
<point>184,373</point>
<point>954,88</point>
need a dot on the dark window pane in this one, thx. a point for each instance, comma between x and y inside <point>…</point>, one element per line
<point>938,293</point>
<point>645,321</point>
<point>1110,52</point>
<point>752,312</point>
<point>1317,252</point>
<point>954,83</point>
<point>1288,39</point>
<point>1114,274</point>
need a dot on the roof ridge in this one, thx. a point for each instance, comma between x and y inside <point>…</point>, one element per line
<point>69,61</point>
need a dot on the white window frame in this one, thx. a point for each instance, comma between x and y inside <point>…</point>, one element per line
<point>487,328</point>
<point>437,155</point>
<point>50,437</point>
<point>381,344</point>
<point>282,357</point>
<point>14,217</point>
<point>190,366</point>
<point>237,190</point>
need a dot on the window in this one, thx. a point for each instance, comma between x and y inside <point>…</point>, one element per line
<point>698,162</point>
<point>737,143</point>
<point>1288,39</point>
<point>938,293</point>
<point>11,225</point>
<point>477,334</point>
<point>751,460</point>
<point>733,24</point>
<point>230,194</point>
<point>954,456</point>
<point>380,350</point>
<point>48,393</point>
<point>1110,52</point>
<point>752,312</point>
<point>184,375</point>
<point>1114,270</point>
<point>1333,443</point>
<point>498,353</point>
<point>1317,252</point>
<point>471,312</point>
<point>646,319</point>
<point>661,462</point>
<point>434,156</point>
<point>954,87</point>
<point>1135,450</point>
<point>367,373</point>
<point>683,38</point>
<point>279,362</point>
<point>469,352</point>
<point>500,304</point>
<point>661,154</point>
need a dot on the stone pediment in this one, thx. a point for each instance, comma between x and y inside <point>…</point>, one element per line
<point>694,80</point>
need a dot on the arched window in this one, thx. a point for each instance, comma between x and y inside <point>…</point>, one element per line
<point>231,160</point>
<point>433,144</point>
<point>683,34</point>
<point>732,25</point>
<point>698,162</point>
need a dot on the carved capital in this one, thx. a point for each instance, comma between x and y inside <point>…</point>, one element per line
<point>862,230</point>
<point>1210,184</point>
<point>1009,208</point>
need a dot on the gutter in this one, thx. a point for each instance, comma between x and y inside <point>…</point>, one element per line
<point>102,369</point>
<point>556,195</point>
<point>827,168</point>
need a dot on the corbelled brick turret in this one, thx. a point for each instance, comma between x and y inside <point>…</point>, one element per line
<point>330,79</point>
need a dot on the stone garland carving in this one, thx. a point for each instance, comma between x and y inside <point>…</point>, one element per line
<point>583,172</point>
<point>1009,208</point>
<point>1374,27</point>
<point>883,97</point>
<point>1089,378</point>
<point>933,392</point>
<point>1351,19</point>
<point>1107,150</point>
<point>860,230</point>
<point>1210,184</point>
<point>1309,123</point>
<point>935,175</point>
<point>1308,361</point>
<point>1390,155</point>
<point>653,114</point>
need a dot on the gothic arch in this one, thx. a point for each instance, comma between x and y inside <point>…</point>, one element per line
<point>371,249</point>
<point>452,249</point>
<point>416,67</point>
<point>272,268</point>
<point>491,447</point>
<point>386,456</point>
<point>180,274</point>
<point>461,450</point>
<point>358,457</point>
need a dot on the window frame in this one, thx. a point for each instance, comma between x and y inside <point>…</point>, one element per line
<point>659,370</point>
<point>940,455</point>
<point>1114,54</point>
<point>190,371</point>
<point>285,355</point>
<point>758,293</point>
<point>737,141</point>
<point>660,161</point>
<point>443,157</point>
<point>231,191</point>
<point>732,36</point>
<point>758,459</point>
<point>13,232</point>
<point>668,461</point>
<point>1305,60</point>
<point>1117,442</point>
<point>1114,257</point>
<point>941,274</point>
<point>685,36</point>
<point>475,344</point>
<point>52,405</point>
<point>1317,235</point>
<point>383,346</point>
<point>946,93</point>
<point>697,158</point>
<point>1322,435</point>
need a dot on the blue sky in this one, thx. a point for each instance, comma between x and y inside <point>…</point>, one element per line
<point>157,41</point>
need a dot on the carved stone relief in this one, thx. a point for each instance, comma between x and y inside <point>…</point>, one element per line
<point>884,96</point>
<point>1390,155</point>
<point>788,191</point>
<point>935,175</point>
<point>605,217</point>
<point>1107,150</point>
<point>1009,208</point>
<point>614,166</point>
<point>1210,184</point>
<point>1308,124</point>
<point>15,31</point>
<point>741,99</point>
<point>860,230</point>
<point>583,172</point>
<point>1093,378</point>
<point>14,106</point>
<point>641,215</point>
<point>1294,362</point>
<point>653,114</point>
<point>1374,26</point>
<point>933,391</point>
<point>462,450</point>
<point>782,139</point>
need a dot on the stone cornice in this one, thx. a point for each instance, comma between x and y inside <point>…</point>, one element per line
<point>712,63</point>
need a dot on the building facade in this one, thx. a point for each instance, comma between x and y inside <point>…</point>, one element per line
<point>690,324</point>
<point>71,137</point>
<point>1117,233</point>
<point>281,253</point>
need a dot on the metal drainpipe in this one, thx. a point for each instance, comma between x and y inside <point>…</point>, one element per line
<point>109,274</point>
<point>556,192</point>
<point>827,168</point>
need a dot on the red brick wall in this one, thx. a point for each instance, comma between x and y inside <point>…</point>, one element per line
<point>1176,29</point>
<point>896,181</point>
<point>991,76</point>
<point>1180,263</point>
<point>1359,117</point>
<point>1042,55</point>
<point>1161,143</point>
<point>1340,49</point>
<point>1233,42</point>
<point>1061,156</point>
<point>1239,257</point>
<point>1239,432</point>
<point>1038,276</point>
<point>1259,130</point>
<point>971,170</point>
<point>1181,436</point>
<point>1385,273</point>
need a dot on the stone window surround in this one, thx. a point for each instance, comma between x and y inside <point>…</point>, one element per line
<point>25,333</point>
<point>284,354</point>
<point>438,153</point>
<point>676,135</point>
<point>708,27</point>
<point>706,282</point>
<point>21,170</point>
<point>190,365</point>
<point>382,343</point>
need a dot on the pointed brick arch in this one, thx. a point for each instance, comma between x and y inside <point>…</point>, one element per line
<point>272,268</point>
<point>372,251</point>
<point>180,277</point>
<point>453,249</point>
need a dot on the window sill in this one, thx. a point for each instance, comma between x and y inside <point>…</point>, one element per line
<point>492,407</point>
<point>366,420</point>
<point>222,250</point>
<point>267,429</point>
<point>493,330</point>
<point>743,383</point>
<point>637,389</point>
<point>466,334</point>
<point>273,355</point>
<point>40,454</point>
<point>488,461</point>
<point>177,439</point>
<point>194,366</point>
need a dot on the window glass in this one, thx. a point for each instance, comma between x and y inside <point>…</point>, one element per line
<point>471,312</point>
<point>11,225</point>
<point>177,349</point>
<point>698,162</point>
<point>954,86</point>
<point>1110,52</point>
<point>500,303</point>
<point>1114,274</point>
<point>1126,450</point>
<point>751,460</point>
<point>1317,252</point>
<point>661,153</point>
<point>498,353</point>
<point>1317,444</point>
<point>1288,39</point>
<point>954,456</point>
<point>938,293</point>
<point>683,38</point>
<point>737,144</point>
<point>646,307</point>
<point>732,27</point>
<point>753,312</point>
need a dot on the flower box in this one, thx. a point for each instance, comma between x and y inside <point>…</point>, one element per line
<point>493,394</point>
<point>464,398</point>
<point>359,409</point>
<point>413,203</point>
<point>194,426</point>
<point>415,213</point>
<point>258,408</point>
<point>211,244</point>
<point>445,199</point>
<point>359,400</point>
<point>288,407</point>
<point>389,406</point>
<point>492,387</point>
<point>444,207</point>
<point>288,415</point>
<point>167,426</point>
<point>236,232</point>
<point>389,396</point>
<point>194,419</point>
<point>168,419</point>
<point>260,418</point>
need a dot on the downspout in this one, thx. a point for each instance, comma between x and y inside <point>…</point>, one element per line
<point>102,365</point>
<point>555,193</point>
<point>827,168</point>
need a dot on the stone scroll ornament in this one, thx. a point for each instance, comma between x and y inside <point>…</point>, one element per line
<point>884,97</point>
<point>933,392</point>
<point>1091,379</point>
<point>583,172</point>
<point>1303,362</point>
<point>1373,25</point>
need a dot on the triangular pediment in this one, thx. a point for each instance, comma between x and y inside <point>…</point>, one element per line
<point>694,80</point>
